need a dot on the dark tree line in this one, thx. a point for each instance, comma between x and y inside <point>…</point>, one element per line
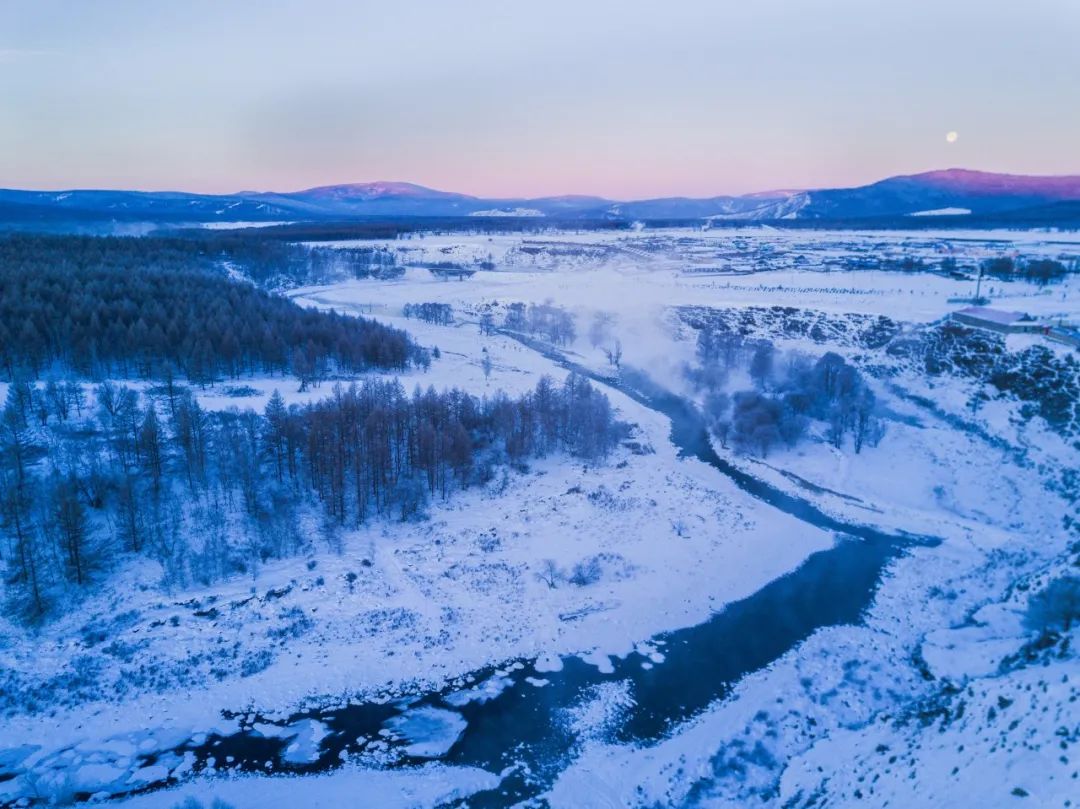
<point>102,310</point>
<point>441,314</point>
<point>86,479</point>
<point>1041,271</point>
<point>417,227</point>
<point>269,262</point>
<point>777,411</point>
<point>260,259</point>
<point>332,263</point>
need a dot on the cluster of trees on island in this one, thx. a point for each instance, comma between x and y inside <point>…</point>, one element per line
<point>100,311</point>
<point>552,323</point>
<point>788,392</point>
<point>91,474</point>
<point>441,314</point>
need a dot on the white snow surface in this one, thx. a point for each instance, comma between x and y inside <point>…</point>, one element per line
<point>435,600</point>
<point>429,785</point>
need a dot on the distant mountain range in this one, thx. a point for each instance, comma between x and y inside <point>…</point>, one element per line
<point>956,193</point>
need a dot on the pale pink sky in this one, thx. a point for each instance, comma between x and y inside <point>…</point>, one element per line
<point>623,99</point>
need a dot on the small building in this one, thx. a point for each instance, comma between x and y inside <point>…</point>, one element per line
<point>446,273</point>
<point>1069,335</point>
<point>983,317</point>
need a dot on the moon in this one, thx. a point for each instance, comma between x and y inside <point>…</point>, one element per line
<point>950,137</point>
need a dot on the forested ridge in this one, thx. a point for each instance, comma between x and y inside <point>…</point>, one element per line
<point>91,474</point>
<point>148,308</point>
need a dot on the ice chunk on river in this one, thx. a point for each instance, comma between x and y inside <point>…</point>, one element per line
<point>430,732</point>
<point>547,663</point>
<point>305,737</point>
<point>484,692</point>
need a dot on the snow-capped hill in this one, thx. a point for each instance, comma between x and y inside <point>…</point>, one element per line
<point>568,203</point>
<point>779,193</point>
<point>943,212</point>
<point>572,199</point>
<point>364,192</point>
<point>990,183</point>
<point>978,192</point>
<point>508,212</point>
<point>787,207</point>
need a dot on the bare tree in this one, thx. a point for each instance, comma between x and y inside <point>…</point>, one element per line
<point>549,573</point>
<point>614,354</point>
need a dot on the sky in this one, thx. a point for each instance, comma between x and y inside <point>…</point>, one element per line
<point>622,99</point>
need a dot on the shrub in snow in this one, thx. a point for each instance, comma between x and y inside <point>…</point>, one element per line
<point>296,623</point>
<point>255,662</point>
<point>586,572</point>
<point>592,569</point>
<point>125,651</point>
<point>488,543</point>
<point>1056,608</point>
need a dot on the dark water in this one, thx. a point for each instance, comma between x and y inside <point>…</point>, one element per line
<point>526,728</point>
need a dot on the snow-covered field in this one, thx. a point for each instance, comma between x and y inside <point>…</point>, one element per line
<point>404,607</point>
